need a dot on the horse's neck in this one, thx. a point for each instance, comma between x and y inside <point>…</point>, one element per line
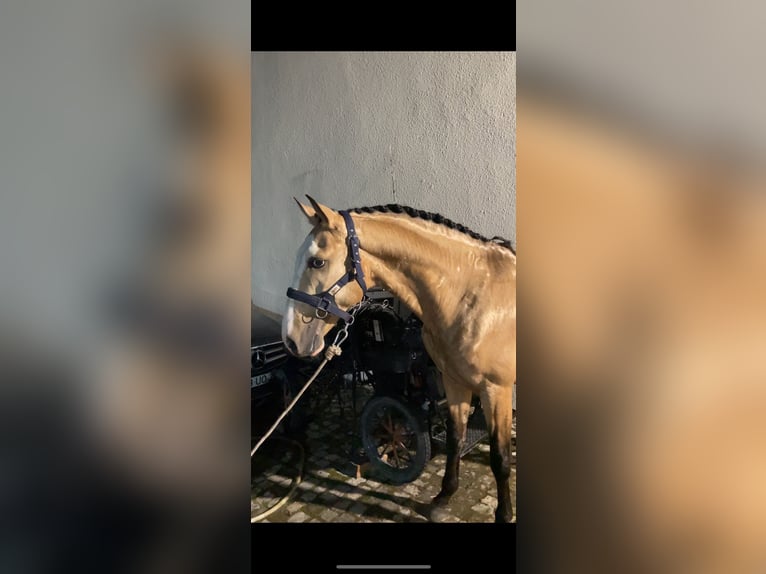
<point>429,270</point>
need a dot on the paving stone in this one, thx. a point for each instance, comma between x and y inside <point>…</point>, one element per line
<point>412,490</point>
<point>327,497</point>
<point>308,496</point>
<point>294,507</point>
<point>389,505</point>
<point>328,493</point>
<point>328,515</point>
<point>481,508</point>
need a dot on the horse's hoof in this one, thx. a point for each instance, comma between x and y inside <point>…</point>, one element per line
<point>504,518</point>
<point>439,514</point>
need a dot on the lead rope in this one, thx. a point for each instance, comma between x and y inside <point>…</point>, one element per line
<point>330,353</point>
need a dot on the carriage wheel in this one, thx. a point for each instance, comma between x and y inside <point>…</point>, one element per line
<point>395,439</point>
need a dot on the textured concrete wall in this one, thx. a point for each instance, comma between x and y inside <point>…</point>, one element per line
<point>431,130</point>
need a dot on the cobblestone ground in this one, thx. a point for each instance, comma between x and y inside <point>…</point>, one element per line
<point>331,492</point>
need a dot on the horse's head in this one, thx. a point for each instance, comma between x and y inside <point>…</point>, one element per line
<point>323,260</point>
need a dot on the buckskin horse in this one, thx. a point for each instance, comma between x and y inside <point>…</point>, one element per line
<point>461,285</point>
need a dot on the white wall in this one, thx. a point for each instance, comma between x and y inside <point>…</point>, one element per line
<point>435,131</point>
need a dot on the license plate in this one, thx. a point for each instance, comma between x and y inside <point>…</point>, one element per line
<point>259,380</point>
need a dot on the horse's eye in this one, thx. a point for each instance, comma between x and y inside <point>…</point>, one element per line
<point>316,263</point>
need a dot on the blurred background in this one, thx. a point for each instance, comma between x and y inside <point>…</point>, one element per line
<point>124,246</point>
<point>642,244</point>
<point>124,241</point>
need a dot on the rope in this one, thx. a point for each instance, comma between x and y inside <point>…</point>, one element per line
<point>293,486</point>
<point>331,352</point>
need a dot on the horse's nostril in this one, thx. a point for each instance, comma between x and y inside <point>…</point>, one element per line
<point>291,346</point>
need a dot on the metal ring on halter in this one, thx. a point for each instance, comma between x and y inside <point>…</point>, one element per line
<point>318,316</point>
<point>303,318</point>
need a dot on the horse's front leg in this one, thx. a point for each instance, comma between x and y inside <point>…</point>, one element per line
<point>459,400</point>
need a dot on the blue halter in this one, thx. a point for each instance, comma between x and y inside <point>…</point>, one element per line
<point>324,302</point>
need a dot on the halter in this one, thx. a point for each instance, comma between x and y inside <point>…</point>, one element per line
<point>324,302</point>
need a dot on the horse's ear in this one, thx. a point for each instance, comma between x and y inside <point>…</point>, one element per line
<point>326,215</point>
<point>309,212</point>
<point>321,212</point>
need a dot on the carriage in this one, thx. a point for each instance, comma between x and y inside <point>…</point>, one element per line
<point>406,415</point>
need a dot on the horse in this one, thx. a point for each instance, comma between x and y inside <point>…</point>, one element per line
<point>461,285</point>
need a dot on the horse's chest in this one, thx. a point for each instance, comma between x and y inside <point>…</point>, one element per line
<point>453,355</point>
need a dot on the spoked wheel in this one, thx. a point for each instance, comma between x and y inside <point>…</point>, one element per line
<point>395,439</point>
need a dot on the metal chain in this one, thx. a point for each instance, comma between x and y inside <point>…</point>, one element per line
<point>343,333</point>
<point>331,352</point>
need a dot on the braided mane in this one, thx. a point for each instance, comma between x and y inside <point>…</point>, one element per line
<point>436,218</point>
